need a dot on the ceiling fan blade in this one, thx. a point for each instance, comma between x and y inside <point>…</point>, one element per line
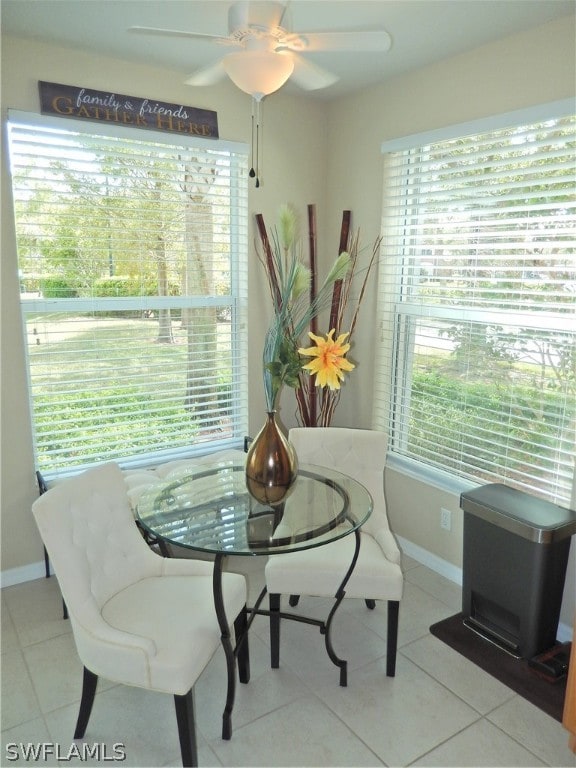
<point>181,33</point>
<point>366,40</point>
<point>310,76</point>
<point>207,75</point>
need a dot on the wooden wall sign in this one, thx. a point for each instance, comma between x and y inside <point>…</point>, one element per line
<point>108,107</point>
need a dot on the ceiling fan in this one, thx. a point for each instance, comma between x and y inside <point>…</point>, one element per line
<point>269,53</point>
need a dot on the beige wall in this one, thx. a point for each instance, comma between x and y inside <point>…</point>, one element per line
<point>314,152</point>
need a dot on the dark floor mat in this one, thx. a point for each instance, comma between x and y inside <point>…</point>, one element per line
<point>515,673</point>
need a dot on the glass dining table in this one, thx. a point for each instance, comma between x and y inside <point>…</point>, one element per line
<point>206,508</point>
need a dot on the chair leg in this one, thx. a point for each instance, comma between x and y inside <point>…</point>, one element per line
<point>89,683</point>
<point>186,728</point>
<point>392,637</point>
<point>243,652</point>
<point>370,604</point>
<point>293,600</point>
<point>46,563</point>
<point>274,631</point>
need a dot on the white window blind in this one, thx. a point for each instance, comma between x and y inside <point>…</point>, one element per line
<point>476,369</point>
<point>132,251</point>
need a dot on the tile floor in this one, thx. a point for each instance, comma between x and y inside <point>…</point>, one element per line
<point>439,710</point>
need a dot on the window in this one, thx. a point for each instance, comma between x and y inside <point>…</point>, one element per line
<point>132,251</point>
<point>476,374</point>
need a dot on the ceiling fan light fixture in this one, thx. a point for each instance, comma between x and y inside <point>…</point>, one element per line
<point>258,73</point>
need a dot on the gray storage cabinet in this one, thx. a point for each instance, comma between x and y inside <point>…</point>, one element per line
<point>515,556</point>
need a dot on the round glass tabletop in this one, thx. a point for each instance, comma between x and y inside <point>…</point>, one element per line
<point>208,508</point>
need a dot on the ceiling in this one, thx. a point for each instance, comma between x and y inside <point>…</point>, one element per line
<point>422,31</point>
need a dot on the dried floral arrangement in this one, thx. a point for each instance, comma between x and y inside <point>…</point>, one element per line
<point>297,301</point>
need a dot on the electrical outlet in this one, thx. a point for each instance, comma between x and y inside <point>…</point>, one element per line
<point>445,519</point>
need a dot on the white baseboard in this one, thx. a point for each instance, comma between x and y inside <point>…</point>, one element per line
<point>437,564</point>
<point>453,573</point>
<point>23,573</point>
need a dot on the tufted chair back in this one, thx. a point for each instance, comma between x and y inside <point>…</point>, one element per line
<point>88,528</point>
<point>364,460</point>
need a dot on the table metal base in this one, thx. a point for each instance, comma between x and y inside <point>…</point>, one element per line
<point>238,654</point>
<point>276,615</point>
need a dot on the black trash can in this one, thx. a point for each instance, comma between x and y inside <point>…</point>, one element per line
<point>516,551</point>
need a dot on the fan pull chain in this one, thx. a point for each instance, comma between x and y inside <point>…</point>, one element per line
<point>255,150</point>
<point>258,104</point>
<point>252,173</point>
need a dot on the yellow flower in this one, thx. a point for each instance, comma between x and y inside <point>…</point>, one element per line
<point>329,362</point>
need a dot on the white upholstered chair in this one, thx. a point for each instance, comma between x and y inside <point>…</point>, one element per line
<point>137,618</point>
<point>361,454</point>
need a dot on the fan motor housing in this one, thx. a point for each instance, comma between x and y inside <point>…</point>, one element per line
<point>265,16</point>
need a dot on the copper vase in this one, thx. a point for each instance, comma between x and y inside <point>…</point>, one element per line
<point>271,464</point>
